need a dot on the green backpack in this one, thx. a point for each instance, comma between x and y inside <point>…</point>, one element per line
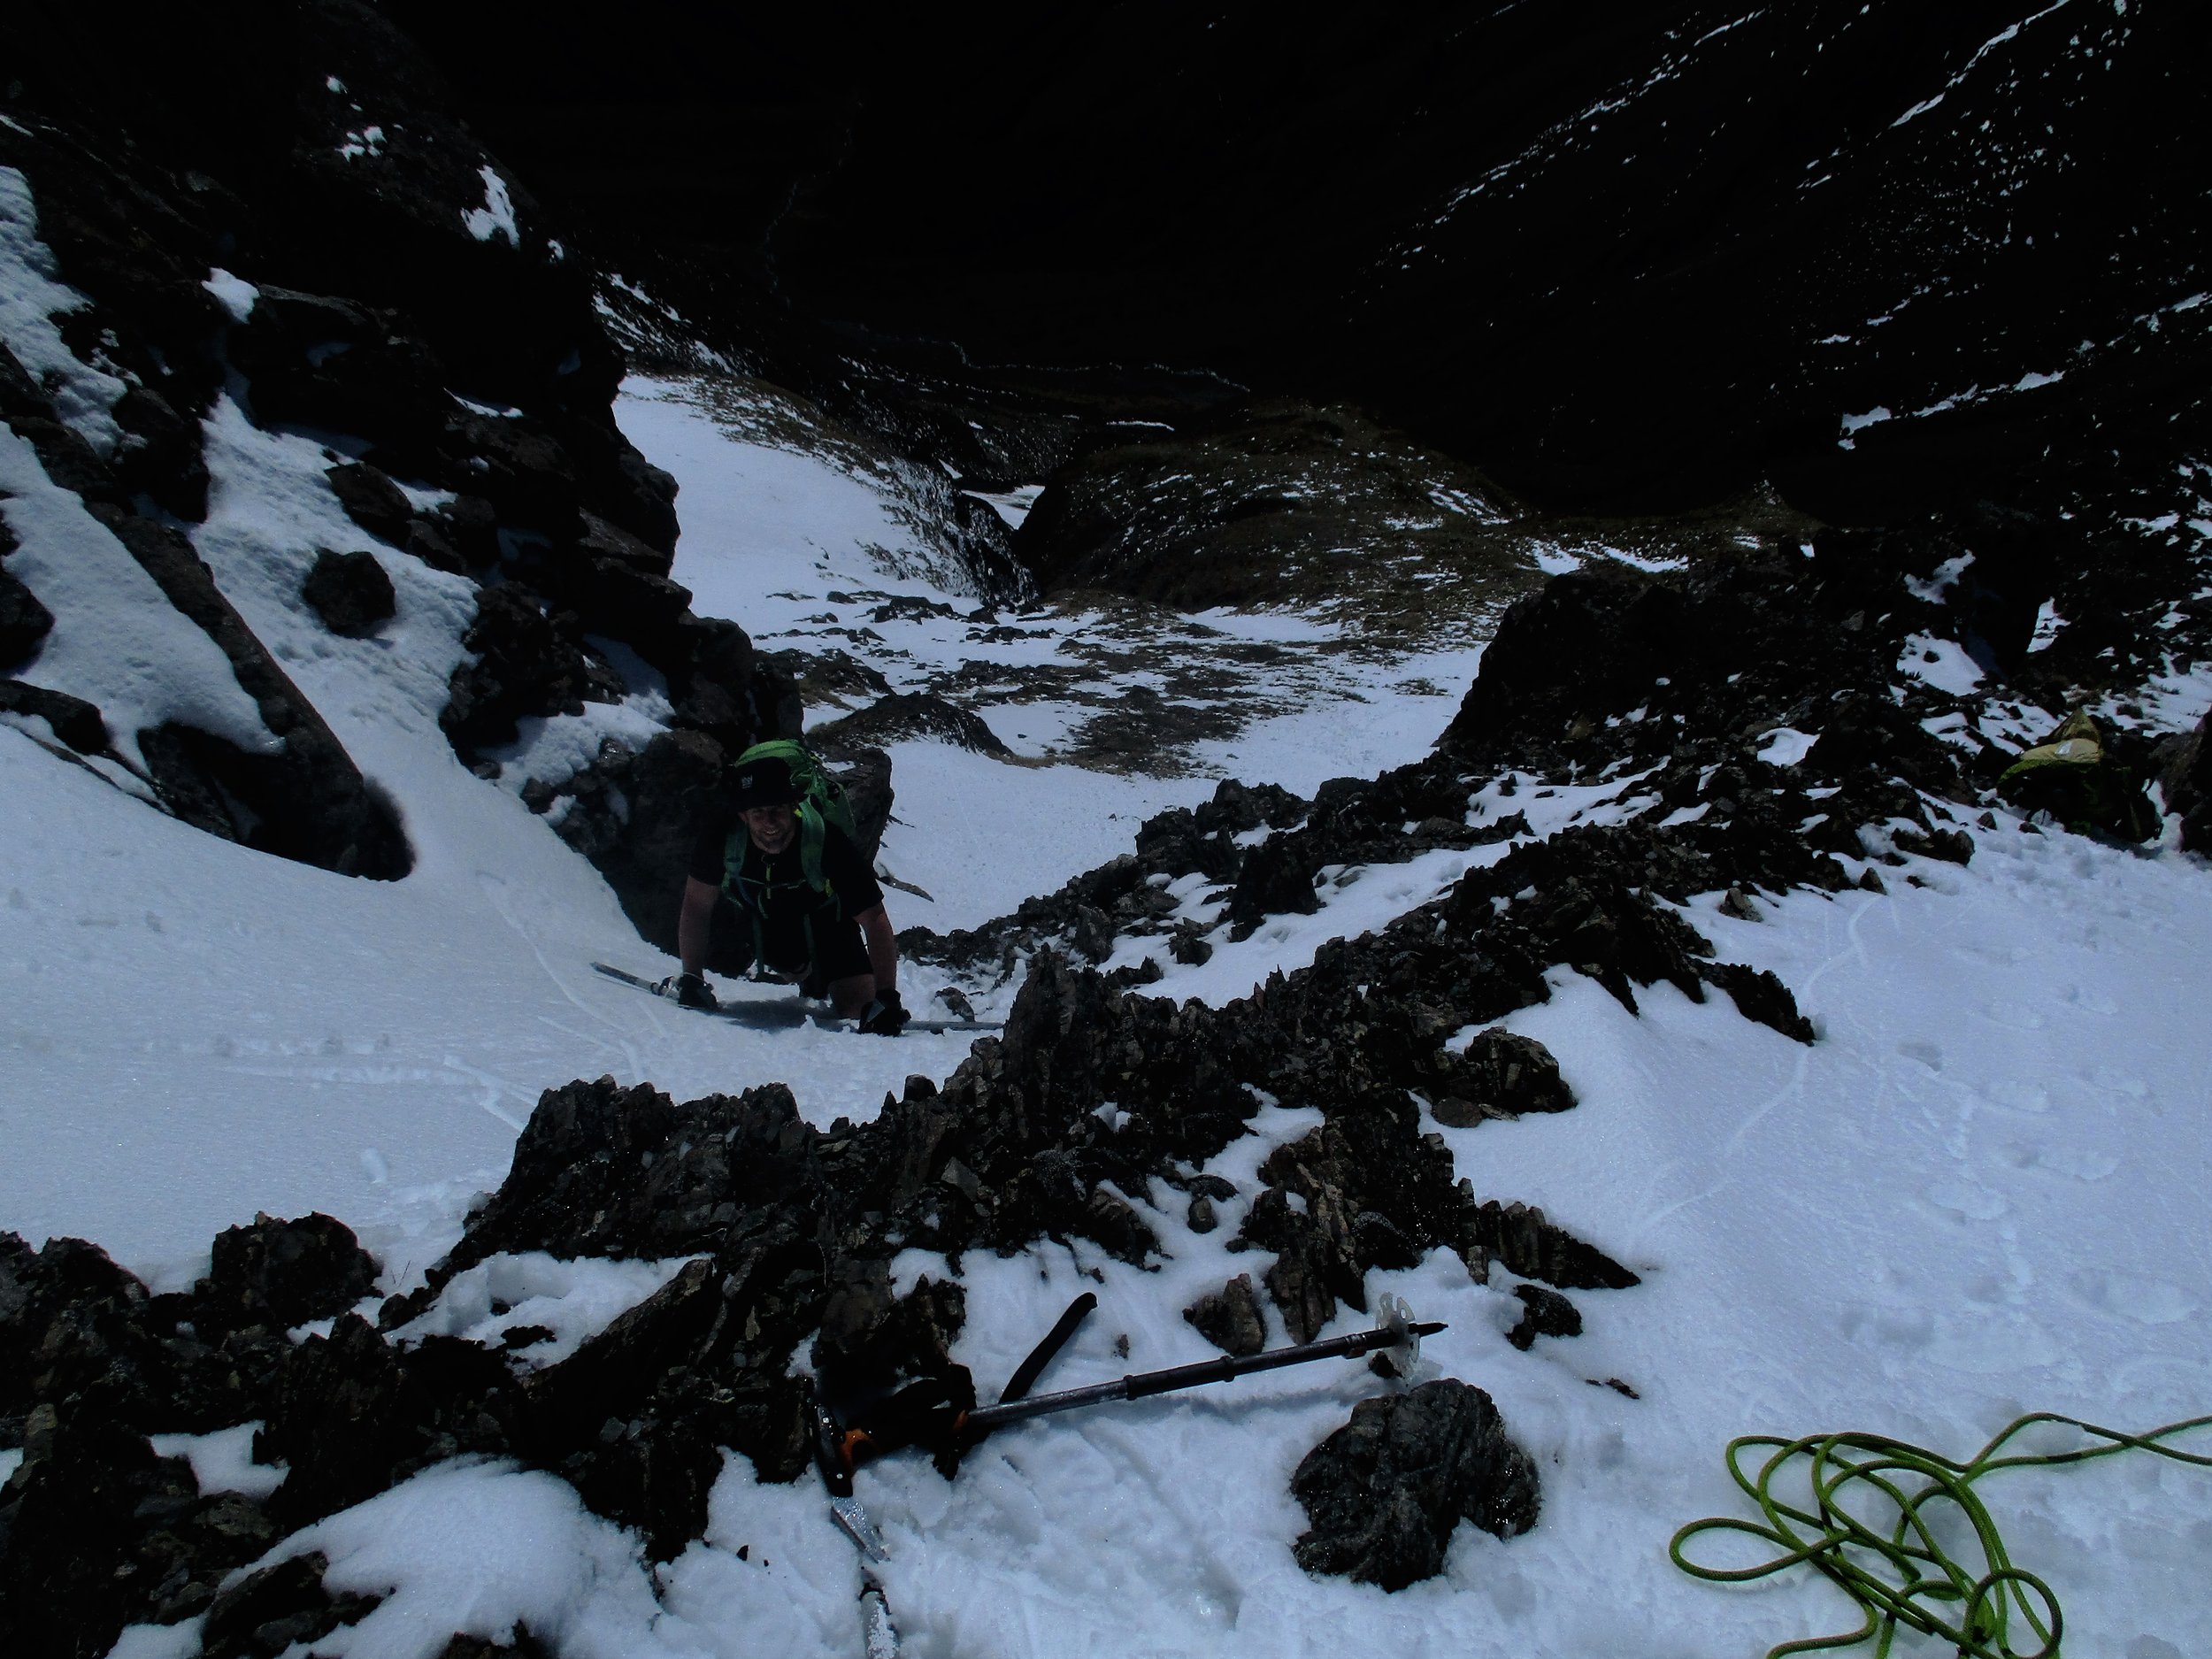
<point>822,802</point>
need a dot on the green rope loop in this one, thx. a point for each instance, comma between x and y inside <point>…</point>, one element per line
<point>1899,1573</point>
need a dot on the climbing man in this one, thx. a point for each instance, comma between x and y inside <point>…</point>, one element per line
<point>823,927</point>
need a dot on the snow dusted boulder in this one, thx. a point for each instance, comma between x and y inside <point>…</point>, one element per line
<point>1386,1492</point>
<point>1544,1312</point>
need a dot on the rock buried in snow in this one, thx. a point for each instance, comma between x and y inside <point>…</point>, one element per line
<point>1386,1492</point>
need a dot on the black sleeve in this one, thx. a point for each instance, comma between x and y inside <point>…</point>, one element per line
<point>707,854</point>
<point>849,874</point>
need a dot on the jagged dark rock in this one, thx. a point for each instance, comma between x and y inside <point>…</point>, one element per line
<point>283,1273</point>
<point>1385,1492</point>
<point>1230,1317</point>
<point>1367,1189</point>
<point>1543,1313</point>
<point>78,1331</point>
<point>285,1603</point>
<point>1500,1075</point>
<point>2186,785</point>
<point>907,715</point>
<point>351,1415</point>
<point>637,1416</point>
<point>24,622</point>
<point>349,591</point>
<point>74,721</point>
<point>604,1171</point>
<point>97,1532</point>
<point>1520,1236</point>
<point>526,662</point>
<point>1125,894</point>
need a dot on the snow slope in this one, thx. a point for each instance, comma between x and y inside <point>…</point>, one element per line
<point>1984,1190</point>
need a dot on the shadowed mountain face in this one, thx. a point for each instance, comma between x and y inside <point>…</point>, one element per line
<point>1893,255</point>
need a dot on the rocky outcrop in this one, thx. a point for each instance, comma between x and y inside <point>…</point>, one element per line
<point>909,715</point>
<point>524,662</point>
<point>384,283</point>
<point>1269,503</point>
<point>95,1530</point>
<point>1386,1492</point>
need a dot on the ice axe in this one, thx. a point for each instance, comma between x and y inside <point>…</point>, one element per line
<point>921,1415</point>
<point>924,1414</point>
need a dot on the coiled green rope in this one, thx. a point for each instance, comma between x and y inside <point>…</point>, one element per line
<point>1901,1577</point>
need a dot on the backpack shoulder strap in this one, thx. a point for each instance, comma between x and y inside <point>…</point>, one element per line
<point>813,834</point>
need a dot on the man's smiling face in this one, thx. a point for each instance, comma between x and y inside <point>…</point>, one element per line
<point>772,827</point>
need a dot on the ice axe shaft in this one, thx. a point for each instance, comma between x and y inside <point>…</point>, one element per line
<point>1145,1383</point>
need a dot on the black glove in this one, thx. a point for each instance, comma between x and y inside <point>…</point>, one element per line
<point>886,1017</point>
<point>689,989</point>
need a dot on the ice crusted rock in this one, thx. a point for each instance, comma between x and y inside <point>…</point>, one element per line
<point>1385,1492</point>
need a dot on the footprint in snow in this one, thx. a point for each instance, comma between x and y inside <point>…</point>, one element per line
<point>2019,1096</point>
<point>2135,1296</point>
<point>2073,1162</point>
<point>1976,1203</point>
<point>2088,1002</point>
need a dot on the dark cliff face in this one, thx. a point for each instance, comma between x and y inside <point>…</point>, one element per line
<point>1618,254</point>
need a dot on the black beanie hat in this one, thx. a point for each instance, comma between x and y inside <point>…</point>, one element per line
<point>764,782</point>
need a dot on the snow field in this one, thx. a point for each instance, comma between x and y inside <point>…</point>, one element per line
<point>1982,1192</point>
